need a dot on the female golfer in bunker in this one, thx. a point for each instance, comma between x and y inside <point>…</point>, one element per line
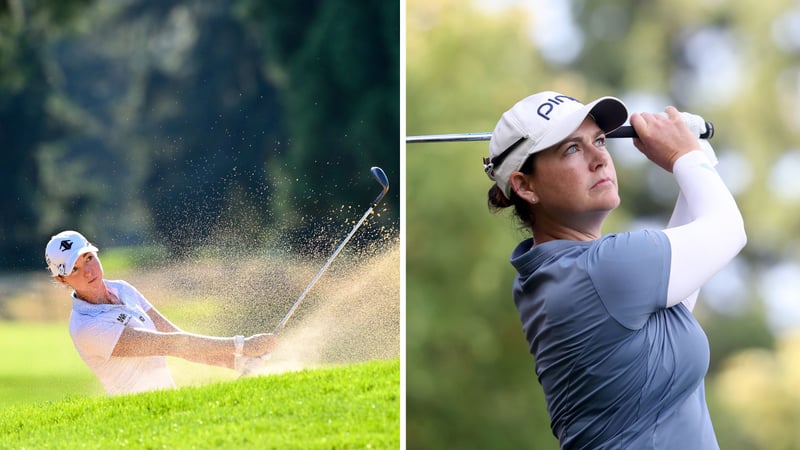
<point>619,355</point>
<point>122,337</point>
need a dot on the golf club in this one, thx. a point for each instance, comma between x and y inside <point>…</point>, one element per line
<point>621,132</point>
<point>380,176</point>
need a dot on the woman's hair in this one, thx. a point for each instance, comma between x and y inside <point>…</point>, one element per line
<point>522,208</point>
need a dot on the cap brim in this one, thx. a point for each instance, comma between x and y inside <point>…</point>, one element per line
<point>609,113</point>
<point>84,250</point>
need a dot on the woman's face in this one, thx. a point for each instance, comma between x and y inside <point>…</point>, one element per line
<point>576,179</point>
<point>87,275</point>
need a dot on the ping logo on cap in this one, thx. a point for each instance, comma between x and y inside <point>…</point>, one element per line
<point>66,244</point>
<point>547,107</point>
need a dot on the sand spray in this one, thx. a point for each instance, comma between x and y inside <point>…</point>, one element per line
<point>352,313</point>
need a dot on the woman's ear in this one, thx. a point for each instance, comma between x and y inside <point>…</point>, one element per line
<point>523,186</point>
<point>61,279</point>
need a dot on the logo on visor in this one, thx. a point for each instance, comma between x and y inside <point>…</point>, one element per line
<point>547,107</point>
<point>66,244</point>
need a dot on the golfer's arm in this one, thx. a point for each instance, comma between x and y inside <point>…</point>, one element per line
<point>192,347</point>
<point>162,323</point>
<point>714,234</point>
<point>681,216</point>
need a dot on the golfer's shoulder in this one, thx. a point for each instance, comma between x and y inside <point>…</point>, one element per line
<point>630,256</point>
<point>123,288</point>
<point>632,244</point>
<point>118,284</point>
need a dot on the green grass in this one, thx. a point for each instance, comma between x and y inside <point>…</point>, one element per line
<point>50,399</point>
<point>40,363</point>
<point>356,406</point>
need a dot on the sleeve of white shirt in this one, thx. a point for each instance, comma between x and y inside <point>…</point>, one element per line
<point>96,340</point>
<point>713,232</point>
<point>140,299</point>
<point>681,214</point>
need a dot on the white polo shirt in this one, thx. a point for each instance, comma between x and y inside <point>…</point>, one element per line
<point>95,330</point>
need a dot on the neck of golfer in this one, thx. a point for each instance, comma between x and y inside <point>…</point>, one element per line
<point>583,227</point>
<point>98,296</point>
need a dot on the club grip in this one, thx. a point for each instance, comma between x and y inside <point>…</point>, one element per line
<point>630,132</point>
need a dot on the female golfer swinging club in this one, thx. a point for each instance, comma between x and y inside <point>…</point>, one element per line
<point>122,337</point>
<point>619,355</point>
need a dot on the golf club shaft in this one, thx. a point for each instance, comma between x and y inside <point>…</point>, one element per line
<point>324,267</point>
<point>621,132</point>
<point>454,137</point>
<point>380,176</point>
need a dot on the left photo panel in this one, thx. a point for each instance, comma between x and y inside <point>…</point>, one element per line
<point>201,224</point>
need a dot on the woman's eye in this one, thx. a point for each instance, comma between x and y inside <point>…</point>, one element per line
<point>571,149</point>
<point>600,142</point>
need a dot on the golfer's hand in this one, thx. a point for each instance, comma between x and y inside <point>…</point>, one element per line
<point>260,344</point>
<point>247,365</point>
<point>663,139</point>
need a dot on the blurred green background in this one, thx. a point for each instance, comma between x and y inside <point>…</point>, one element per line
<point>470,380</point>
<point>188,123</point>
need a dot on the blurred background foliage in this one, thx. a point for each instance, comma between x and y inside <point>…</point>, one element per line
<point>470,380</point>
<point>189,123</point>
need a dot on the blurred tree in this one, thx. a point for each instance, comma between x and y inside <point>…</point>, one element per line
<point>470,381</point>
<point>756,394</point>
<point>336,65</point>
<point>168,142</point>
<point>213,120</point>
<point>26,118</point>
<point>728,334</point>
<point>21,109</point>
<point>160,120</point>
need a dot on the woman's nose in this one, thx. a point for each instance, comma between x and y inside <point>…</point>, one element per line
<point>599,157</point>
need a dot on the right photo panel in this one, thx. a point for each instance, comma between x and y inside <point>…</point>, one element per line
<point>601,211</point>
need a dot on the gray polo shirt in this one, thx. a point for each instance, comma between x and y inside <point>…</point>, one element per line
<point>619,370</point>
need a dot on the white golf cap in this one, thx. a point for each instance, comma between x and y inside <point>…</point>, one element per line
<point>64,249</point>
<point>539,122</point>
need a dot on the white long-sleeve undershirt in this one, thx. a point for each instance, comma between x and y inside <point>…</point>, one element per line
<point>706,230</point>
<point>680,216</point>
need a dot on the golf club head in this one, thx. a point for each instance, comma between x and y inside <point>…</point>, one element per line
<point>380,175</point>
